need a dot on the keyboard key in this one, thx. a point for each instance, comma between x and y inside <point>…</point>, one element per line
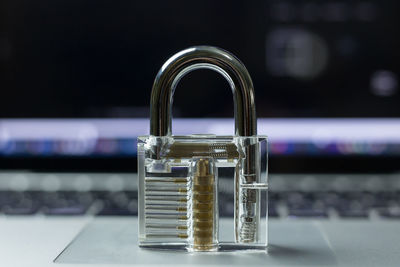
<point>272,211</point>
<point>10,197</point>
<point>226,209</point>
<point>390,212</point>
<point>119,205</point>
<point>116,211</point>
<point>274,196</point>
<point>21,207</point>
<point>69,210</point>
<point>295,198</point>
<point>330,199</point>
<point>20,210</point>
<point>317,213</point>
<point>353,213</point>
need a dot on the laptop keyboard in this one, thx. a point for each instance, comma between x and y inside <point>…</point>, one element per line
<point>326,196</point>
<point>316,204</point>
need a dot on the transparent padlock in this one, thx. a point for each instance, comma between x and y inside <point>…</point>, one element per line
<point>182,178</point>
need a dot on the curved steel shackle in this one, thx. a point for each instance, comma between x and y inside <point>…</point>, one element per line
<point>203,57</point>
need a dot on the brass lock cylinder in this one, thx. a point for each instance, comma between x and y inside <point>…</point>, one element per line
<point>204,212</point>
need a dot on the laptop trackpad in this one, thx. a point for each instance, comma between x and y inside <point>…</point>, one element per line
<point>113,241</point>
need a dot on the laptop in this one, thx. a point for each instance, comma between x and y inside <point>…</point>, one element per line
<point>62,215</point>
<point>75,90</point>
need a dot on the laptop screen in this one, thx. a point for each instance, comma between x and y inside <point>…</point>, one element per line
<point>77,75</point>
<point>117,137</point>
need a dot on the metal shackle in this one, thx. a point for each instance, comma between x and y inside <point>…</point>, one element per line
<point>203,57</point>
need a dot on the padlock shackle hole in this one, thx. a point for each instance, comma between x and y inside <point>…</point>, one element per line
<point>203,57</point>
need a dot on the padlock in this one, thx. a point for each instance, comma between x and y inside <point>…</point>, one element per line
<point>182,178</point>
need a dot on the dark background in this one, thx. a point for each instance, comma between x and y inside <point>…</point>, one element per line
<point>76,59</point>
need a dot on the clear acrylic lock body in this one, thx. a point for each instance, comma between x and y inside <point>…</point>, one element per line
<point>183,178</point>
